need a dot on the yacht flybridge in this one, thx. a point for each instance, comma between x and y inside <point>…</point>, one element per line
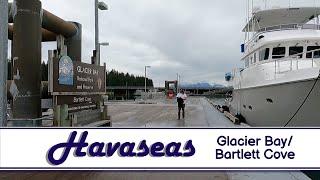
<point>279,84</point>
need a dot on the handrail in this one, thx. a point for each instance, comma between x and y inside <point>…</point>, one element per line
<point>290,58</point>
<point>282,27</point>
<point>50,117</point>
<point>295,55</point>
<point>296,58</point>
<point>288,27</point>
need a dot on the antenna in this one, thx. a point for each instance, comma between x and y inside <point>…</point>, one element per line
<point>252,17</point>
<point>289,4</point>
<point>247,21</point>
<point>245,37</point>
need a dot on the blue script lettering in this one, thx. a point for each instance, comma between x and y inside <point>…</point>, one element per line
<point>67,148</point>
<point>126,149</point>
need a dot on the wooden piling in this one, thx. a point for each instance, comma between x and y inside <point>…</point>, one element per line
<point>65,122</point>
<point>56,116</point>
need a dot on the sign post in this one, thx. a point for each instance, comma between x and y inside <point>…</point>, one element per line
<point>76,84</point>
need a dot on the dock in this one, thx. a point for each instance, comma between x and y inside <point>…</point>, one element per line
<point>163,113</point>
<point>200,112</point>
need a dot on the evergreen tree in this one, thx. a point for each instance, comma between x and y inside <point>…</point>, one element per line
<point>115,78</point>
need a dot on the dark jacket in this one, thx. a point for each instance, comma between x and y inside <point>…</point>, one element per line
<point>180,102</point>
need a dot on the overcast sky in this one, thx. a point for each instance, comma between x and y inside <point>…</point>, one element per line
<point>198,39</point>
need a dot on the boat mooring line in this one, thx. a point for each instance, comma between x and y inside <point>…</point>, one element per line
<point>305,100</point>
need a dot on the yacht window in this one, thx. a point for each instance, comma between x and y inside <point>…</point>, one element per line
<point>293,51</point>
<point>278,52</point>
<point>246,63</point>
<point>316,54</point>
<point>264,54</point>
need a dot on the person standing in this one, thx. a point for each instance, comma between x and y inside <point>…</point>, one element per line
<point>181,99</point>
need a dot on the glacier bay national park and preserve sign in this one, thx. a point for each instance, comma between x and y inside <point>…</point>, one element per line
<point>75,78</point>
<point>77,84</point>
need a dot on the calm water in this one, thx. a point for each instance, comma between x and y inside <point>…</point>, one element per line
<point>217,100</point>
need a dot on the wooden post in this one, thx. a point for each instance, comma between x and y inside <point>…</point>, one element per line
<point>104,114</point>
<point>56,118</point>
<point>65,122</point>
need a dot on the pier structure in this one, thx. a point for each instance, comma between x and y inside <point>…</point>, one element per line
<point>33,25</point>
<point>126,92</point>
<point>28,26</point>
<point>169,91</point>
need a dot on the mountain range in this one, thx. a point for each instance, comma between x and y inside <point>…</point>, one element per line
<point>200,85</point>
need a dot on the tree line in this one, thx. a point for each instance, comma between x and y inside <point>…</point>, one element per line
<point>44,71</point>
<point>114,77</point>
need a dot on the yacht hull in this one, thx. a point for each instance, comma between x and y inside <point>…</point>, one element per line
<point>277,105</point>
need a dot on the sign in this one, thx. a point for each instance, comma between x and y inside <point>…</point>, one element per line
<point>66,71</point>
<point>79,102</point>
<point>148,149</point>
<point>77,78</point>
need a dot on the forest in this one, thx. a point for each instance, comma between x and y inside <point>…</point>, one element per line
<point>114,77</point>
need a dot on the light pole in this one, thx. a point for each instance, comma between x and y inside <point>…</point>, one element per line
<point>178,82</point>
<point>99,49</point>
<point>98,6</point>
<point>145,78</point>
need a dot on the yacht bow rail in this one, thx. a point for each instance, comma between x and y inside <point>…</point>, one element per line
<point>294,62</point>
<point>282,27</point>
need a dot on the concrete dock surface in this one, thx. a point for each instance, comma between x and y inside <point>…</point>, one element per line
<point>160,113</point>
<point>199,113</point>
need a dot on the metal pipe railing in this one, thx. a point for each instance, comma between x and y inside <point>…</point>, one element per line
<point>297,59</point>
<point>291,58</point>
<point>280,28</point>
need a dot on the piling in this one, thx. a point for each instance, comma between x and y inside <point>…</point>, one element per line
<point>57,116</point>
<point>65,121</point>
<point>74,44</point>
<point>3,61</point>
<point>27,58</point>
